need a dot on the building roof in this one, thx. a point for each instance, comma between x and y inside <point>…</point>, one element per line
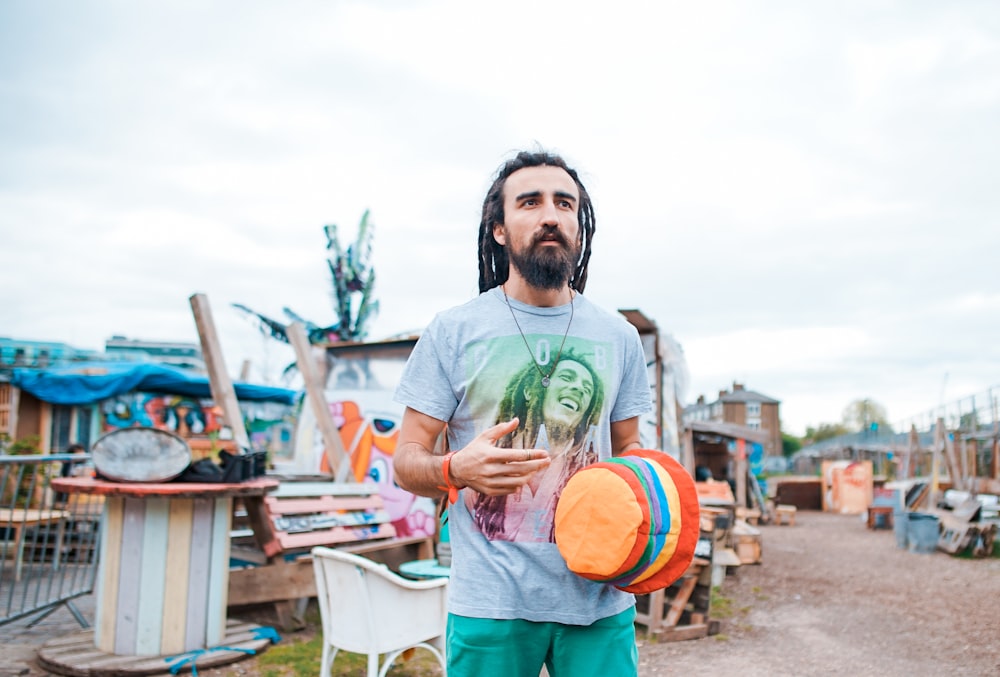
<point>728,430</point>
<point>747,396</point>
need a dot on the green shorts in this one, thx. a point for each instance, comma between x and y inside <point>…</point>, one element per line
<point>482,647</point>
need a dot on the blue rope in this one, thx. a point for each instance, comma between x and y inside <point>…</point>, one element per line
<point>180,660</point>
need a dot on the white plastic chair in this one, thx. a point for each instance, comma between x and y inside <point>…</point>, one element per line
<point>368,609</point>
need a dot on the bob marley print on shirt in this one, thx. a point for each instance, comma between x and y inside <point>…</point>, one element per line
<point>562,418</point>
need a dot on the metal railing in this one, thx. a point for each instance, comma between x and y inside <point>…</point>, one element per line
<point>48,540</point>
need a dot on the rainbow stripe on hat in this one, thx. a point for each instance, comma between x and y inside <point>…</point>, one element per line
<point>631,521</point>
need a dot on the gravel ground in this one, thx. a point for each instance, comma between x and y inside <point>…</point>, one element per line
<point>830,597</point>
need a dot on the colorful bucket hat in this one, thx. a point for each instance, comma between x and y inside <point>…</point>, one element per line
<point>631,521</point>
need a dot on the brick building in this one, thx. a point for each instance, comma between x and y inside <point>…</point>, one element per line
<point>742,407</point>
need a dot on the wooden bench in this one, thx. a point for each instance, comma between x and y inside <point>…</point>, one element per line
<point>281,528</point>
<point>785,513</point>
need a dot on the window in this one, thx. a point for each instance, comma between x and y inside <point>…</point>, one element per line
<point>753,410</point>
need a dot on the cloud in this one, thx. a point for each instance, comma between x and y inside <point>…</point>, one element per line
<point>801,195</point>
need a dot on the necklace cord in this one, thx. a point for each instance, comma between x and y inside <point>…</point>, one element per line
<point>545,377</point>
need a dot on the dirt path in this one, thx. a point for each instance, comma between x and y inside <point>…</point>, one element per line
<point>830,598</point>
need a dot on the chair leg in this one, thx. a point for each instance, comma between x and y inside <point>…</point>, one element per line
<point>373,670</point>
<point>326,661</point>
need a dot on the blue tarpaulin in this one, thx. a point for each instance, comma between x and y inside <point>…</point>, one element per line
<point>90,382</point>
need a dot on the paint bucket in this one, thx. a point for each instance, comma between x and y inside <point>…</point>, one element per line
<point>922,532</point>
<point>900,525</point>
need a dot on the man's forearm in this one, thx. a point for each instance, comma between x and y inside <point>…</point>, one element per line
<point>418,470</point>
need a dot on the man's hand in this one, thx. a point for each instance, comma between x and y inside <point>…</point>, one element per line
<point>491,470</point>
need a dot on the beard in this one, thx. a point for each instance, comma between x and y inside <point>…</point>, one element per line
<point>545,267</point>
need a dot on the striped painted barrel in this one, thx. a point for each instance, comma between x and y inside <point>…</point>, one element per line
<point>163,583</point>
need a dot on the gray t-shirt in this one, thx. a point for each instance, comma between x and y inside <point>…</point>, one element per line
<point>472,368</point>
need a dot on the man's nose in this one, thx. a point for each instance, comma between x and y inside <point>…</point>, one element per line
<point>550,215</point>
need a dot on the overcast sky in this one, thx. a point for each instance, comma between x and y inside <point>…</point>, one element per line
<point>803,194</point>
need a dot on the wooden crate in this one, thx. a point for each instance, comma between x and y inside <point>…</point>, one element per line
<point>747,543</point>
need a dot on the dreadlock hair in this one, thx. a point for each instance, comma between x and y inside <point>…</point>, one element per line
<point>493,261</point>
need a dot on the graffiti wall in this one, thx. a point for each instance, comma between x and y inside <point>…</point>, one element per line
<point>359,395</point>
<point>270,425</point>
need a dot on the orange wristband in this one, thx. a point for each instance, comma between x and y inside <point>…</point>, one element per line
<point>448,486</point>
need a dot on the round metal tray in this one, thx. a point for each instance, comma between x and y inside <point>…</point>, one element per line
<point>140,455</point>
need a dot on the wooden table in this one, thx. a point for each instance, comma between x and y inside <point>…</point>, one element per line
<point>163,577</point>
<point>22,518</point>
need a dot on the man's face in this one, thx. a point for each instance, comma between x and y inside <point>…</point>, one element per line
<point>568,396</point>
<point>541,229</point>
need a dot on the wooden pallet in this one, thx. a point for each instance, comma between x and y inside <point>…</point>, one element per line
<point>77,655</point>
<point>681,611</point>
<point>958,536</point>
<point>285,525</point>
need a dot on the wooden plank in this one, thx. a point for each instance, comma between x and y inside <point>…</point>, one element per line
<point>219,581</point>
<point>75,654</point>
<point>152,579</point>
<point>683,633</point>
<point>297,506</point>
<point>278,581</point>
<point>199,565</point>
<point>333,446</point>
<point>263,531</point>
<point>308,540</point>
<point>223,393</point>
<point>129,581</point>
<point>107,582</point>
<point>178,556</point>
<point>282,580</point>
<point>680,601</point>
<point>324,488</point>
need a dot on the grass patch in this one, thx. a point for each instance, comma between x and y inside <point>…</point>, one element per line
<point>300,655</point>
<point>721,607</point>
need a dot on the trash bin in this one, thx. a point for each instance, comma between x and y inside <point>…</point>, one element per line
<point>922,532</point>
<point>900,525</point>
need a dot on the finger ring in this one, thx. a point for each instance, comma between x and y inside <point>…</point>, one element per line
<point>527,455</point>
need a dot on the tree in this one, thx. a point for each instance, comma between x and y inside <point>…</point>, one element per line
<point>789,444</point>
<point>352,276</point>
<point>866,415</point>
<point>826,431</point>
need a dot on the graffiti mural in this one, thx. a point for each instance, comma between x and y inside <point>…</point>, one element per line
<point>269,424</point>
<point>368,423</point>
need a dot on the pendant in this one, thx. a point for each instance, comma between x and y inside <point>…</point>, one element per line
<point>545,381</point>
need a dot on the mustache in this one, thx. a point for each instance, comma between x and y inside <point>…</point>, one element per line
<point>550,235</point>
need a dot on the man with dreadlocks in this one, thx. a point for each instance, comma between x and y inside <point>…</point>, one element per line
<point>531,382</point>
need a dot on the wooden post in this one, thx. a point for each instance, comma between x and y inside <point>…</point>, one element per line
<point>742,469</point>
<point>936,452</point>
<point>994,460</point>
<point>687,451</point>
<point>222,387</point>
<point>333,447</point>
<point>956,471</point>
<point>245,371</point>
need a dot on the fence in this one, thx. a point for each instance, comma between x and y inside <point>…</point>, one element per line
<point>48,541</point>
<point>976,417</point>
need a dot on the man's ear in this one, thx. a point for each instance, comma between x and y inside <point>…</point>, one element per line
<point>499,235</point>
